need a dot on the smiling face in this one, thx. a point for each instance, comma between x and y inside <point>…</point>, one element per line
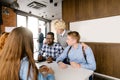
<point>71,41</point>
<point>72,38</point>
<point>49,39</point>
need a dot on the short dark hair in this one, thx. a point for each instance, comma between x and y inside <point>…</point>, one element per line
<point>51,33</point>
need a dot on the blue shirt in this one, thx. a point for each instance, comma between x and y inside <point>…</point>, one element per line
<point>76,55</point>
<point>54,50</point>
<point>24,71</point>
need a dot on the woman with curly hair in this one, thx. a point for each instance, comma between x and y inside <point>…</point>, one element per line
<point>3,38</point>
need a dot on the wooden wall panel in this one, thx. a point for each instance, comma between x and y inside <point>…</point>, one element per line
<point>107,57</point>
<point>76,10</point>
<point>70,10</point>
<point>70,14</point>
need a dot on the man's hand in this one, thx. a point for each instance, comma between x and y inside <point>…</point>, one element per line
<point>62,65</point>
<point>75,65</point>
<point>49,60</point>
<point>40,57</point>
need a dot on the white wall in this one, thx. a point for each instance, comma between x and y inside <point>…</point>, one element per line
<point>98,30</point>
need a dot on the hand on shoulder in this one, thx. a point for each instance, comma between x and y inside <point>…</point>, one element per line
<point>84,45</point>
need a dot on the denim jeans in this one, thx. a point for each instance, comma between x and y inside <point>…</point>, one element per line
<point>40,45</point>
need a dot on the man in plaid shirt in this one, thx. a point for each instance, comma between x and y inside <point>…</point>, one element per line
<point>51,48</point>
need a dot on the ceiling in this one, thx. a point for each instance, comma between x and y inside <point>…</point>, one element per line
<point>52,9</point>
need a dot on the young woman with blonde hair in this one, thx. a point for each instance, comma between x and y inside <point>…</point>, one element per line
<point>61,31</point>
<point>16,62</point>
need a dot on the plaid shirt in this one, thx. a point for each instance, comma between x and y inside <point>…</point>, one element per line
<point>54,50</point>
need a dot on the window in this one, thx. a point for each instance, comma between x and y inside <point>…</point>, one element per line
<point>21,21</point>
<point>33,24</point>
<point>42,26</point>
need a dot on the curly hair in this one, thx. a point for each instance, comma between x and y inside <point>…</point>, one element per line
<point>58,24</point>
<point>3,39</point>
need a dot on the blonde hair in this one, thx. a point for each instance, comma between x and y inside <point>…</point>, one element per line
<point>18,45</point>
<point>3,38</point>
<point>74,35</point>
<point>58,24</point>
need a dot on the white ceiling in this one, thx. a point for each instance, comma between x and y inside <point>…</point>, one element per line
<point>49,12</point>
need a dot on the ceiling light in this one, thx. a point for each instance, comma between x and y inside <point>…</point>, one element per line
<point>51,1</point>
<point>52,15</point>
<point>36,5</point>
<point>15,4</point>
<point>55,4</point>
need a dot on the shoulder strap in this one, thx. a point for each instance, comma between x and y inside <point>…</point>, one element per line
<point>68,51</point>
<point>84,53</point>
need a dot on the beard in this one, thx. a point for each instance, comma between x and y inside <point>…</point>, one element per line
<point>50,43</point>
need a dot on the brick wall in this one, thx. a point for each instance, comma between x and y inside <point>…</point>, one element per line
<point>8,20</point>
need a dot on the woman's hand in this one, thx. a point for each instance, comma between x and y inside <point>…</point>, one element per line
<point>62,65</point>
<point>45,70</point>
<point>50,71</point>
<point>75,65</point>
